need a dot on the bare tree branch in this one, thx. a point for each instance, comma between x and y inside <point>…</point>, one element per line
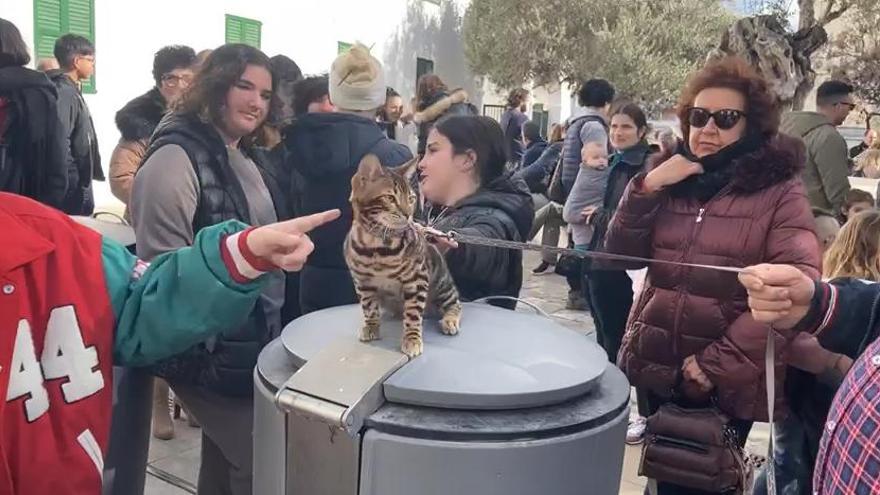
<point>831,13</point>
<point>807,15</point>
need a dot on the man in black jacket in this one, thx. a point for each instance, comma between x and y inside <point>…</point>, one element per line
<point>76,55</point>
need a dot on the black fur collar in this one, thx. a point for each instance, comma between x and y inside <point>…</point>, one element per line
<point>759,166</point>
<point>138,118</point>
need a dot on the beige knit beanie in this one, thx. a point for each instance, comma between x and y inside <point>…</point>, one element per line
<point>357,81</point>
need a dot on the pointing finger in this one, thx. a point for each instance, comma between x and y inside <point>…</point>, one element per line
<point>308,223</point>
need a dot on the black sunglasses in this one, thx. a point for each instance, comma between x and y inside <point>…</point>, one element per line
<point>724,119</point>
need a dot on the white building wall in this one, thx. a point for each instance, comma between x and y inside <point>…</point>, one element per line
<point>129,32</point>
<point>555,98</point>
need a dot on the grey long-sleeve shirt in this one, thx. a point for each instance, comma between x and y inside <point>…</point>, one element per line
<point>163,204</point>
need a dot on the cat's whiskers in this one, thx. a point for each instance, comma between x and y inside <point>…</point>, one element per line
<point>432,221</point>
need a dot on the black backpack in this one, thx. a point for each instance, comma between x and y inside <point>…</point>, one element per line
<point>554,188</point>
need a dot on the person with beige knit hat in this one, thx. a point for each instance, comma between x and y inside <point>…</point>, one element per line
<point>323,152</point>
<point>357,81</point>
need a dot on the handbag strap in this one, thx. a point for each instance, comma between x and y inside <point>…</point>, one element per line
<point>770,374</point>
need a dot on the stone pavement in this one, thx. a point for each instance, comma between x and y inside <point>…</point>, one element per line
<point>177,460</point>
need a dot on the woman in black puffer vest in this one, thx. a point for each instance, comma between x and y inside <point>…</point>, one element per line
<point>201,168</point>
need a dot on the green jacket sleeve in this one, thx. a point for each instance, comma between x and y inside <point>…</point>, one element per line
<point>182,298</point>
<point>830,155</point>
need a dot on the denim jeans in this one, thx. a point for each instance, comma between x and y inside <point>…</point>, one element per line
<point>788,451</point>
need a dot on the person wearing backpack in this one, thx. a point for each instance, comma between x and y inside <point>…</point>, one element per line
<point>595,96</point>
<point>591,125</point>
<point>31,149</point>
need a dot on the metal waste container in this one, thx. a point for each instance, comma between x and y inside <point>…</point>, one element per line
<point>515,404</point>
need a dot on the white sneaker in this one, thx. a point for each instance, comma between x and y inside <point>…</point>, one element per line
<point>635,432</point>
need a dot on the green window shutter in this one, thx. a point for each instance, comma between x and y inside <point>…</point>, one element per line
<point>243,30</point>
<point>342,47</point>
<point>53,18</point>
<point>233,29</point>
<point>47,27</point>
<point>252,32</point>
<point>81,21</point>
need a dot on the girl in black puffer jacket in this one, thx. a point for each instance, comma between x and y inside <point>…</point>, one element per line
<point>464,178</point>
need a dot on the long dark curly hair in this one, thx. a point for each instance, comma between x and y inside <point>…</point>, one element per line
<point>762,106</point>
<point>205,98</point>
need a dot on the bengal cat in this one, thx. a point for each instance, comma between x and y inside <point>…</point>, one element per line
<point>393,267</point>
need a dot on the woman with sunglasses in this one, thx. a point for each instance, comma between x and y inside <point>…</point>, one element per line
<point>730,196</point>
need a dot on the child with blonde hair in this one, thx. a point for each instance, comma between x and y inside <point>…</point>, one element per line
<point>856,251</point>
<point>867,164</point>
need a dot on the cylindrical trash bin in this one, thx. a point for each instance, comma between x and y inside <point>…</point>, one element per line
<point>515,404</point>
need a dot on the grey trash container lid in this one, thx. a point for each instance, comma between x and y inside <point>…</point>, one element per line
<point>119,232</point>
<point>501,359</point>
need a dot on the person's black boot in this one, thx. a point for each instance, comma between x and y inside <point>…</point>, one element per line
<point>543,267</point>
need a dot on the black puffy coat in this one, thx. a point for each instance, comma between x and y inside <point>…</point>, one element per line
<point>32,146</point>
<point>323,153</point>
<point>501,209</point>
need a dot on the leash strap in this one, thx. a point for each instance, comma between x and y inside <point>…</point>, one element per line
<point>770,374</point>
<point>526,246</point>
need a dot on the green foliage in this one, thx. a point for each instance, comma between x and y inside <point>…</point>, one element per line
<point>854,54</point>
<point>645,48</point>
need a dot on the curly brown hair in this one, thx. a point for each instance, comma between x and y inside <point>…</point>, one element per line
<point>762,106</point>
<point>205,98</point>
<point>517,97</point>
<point>427,87</point>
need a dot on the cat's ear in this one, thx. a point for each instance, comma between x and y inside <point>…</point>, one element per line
<point>370,167</point>
<point>408,169</point>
